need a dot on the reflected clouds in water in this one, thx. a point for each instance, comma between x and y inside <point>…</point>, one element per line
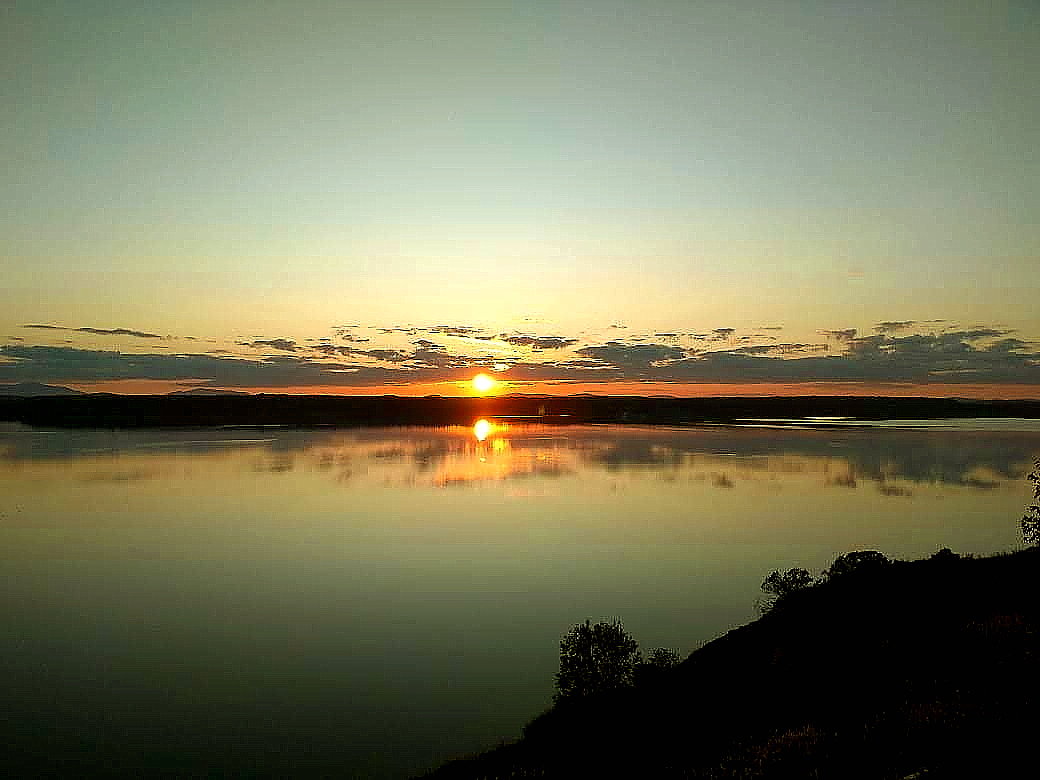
<point>494,451</point>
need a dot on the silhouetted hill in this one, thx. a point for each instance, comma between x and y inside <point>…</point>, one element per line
<point>36,389</point>
<point>920,669</point>
<point>308,411</point>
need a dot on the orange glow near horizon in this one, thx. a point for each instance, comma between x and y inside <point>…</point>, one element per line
<point>691,390</point>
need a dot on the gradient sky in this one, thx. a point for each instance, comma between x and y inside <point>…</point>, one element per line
<point>673,197</point>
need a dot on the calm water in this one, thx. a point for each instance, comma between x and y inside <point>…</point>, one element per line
<point>372,602</point>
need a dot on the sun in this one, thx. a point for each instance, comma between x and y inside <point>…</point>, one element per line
<point>482,383</point>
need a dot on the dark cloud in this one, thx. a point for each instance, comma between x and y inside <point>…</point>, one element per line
<point>631,356</point>
<point>388,355</point>
<point>99,331</point>
<point>332,349</point>
<point>758,349</point>
<point>982,355</point>
<point>779,349</point>
<point>538,342</point>
<point>579,363</point>
<point>979,333</point>
<point>285,345</point>
<point>427,354</point>
<point>1008,345</point>
<point>82,365</point>
<point>866,346</point>
<point>948,357</point>
<point>454,330</point>
<point>96,365</point>
<point>581,370</point>
<point>894,326</point>
<point>435,356</point>
<point>346,333</point>
<point>847,334</point>
<point>398,329</point>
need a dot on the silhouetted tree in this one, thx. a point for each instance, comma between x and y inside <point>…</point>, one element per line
<point>660,660</point>
<point>1031,519</point>
<point>778,585</point>
<point>663,658</point>
<point>856,563</point>
<point>595,658</point>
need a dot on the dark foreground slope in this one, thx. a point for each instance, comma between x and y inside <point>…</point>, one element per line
<point>192,410</point>
<point>923,669</point>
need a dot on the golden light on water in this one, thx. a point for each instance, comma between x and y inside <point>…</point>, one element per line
<point>482,429</point>
<point>483,383</point>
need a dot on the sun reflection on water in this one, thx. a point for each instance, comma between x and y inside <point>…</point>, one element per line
<point>482,429</point>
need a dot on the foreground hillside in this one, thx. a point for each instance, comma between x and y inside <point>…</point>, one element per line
<point>917,669</point>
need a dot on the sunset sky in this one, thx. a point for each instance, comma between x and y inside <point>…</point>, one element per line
<point>612,197</point>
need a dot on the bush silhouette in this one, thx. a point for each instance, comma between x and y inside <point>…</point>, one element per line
<point>778,585</point>
<point>856,563</point>
<point>660,660</point>
<point>595,658</point>
<point>1031,519</point>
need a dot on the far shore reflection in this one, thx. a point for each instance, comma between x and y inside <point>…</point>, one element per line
<point>891,460</point>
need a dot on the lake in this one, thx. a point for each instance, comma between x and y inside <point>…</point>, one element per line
<point>372,602</point>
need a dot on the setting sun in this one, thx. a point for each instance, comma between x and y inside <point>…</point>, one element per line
<point>482,383</point>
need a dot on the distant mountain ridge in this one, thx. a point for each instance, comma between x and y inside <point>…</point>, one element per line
<point>26,389</point>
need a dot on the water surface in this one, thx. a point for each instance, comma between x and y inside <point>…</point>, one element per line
<point>371,602</point>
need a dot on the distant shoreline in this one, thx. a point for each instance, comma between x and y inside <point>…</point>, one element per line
<point>184,411</point>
